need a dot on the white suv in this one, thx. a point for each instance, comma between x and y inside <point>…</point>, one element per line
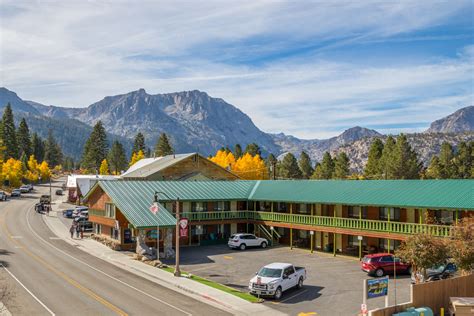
<point>242,241</point>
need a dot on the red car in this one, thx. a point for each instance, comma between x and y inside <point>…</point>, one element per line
<point>380,264</point>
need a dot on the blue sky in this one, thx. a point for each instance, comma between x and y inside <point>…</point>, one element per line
<point>308,68</point>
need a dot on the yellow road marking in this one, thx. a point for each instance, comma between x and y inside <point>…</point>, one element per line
<point>228,257</point>
<point>307,314</point>
<point>74,283</point>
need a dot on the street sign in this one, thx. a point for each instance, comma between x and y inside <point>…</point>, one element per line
<point>183,227</point>
<point>154,208</point>
<point>363,309</point>
<point>311,232</point>
<point>377,287</point>
<point>359,237</point>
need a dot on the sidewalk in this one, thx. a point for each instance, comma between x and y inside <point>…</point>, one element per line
<point>201,292</point>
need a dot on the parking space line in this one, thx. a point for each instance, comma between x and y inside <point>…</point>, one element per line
<point>289,298</point>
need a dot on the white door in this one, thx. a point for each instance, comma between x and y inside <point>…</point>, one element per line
<point>252,240</point>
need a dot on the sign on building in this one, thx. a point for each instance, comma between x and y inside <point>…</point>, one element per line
<point>183,227</point>
<point>377,287</point>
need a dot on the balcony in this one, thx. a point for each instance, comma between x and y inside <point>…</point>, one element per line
<point>325,221</point>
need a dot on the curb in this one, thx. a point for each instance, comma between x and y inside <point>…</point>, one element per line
<point>174,286</point>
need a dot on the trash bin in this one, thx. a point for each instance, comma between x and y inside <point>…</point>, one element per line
<point>425,311</point>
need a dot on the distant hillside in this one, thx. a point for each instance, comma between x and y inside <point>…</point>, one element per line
<point>460,121</point>
<point>196,121</point>
<point>425,144</point>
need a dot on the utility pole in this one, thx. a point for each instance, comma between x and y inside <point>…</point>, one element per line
<point>177,271</point>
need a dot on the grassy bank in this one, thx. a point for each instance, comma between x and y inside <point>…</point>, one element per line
<point>245,296</point>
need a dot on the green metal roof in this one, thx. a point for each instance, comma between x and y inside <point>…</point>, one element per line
<point>134,202</point>
<point>134,198</point>
<point>436,194</point>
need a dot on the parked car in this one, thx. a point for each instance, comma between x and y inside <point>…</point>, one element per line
<point>45,199</point>
<point>242,241</point>
<point>83,222</point>
<point>68,213</point>
<point>59,192</point>
<point>276,278</point>
<point>80,211</point>
<point>379,264</point>
<point>25,189</point>
<point>30,187</point>
<point>3,196</point>
<point>16,193</point>
<point>443,271</point>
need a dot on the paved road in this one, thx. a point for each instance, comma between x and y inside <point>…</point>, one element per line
<point>46,276</point>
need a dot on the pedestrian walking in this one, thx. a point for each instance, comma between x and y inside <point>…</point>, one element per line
<point>71,230</point>
<point>78,230</point>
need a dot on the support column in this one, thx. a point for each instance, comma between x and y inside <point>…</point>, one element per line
<point>360,241</point>
<point>291,228</point>
<point>311,240</point>
<point>334,241</point>
<point>456,216</point>
<point>388,239</point>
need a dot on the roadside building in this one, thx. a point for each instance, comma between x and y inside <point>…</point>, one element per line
<point>339,216</point>
<point>78,185</point>
<point>189,167</point>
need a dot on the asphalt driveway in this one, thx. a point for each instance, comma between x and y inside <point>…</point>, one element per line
<point>333,287</point>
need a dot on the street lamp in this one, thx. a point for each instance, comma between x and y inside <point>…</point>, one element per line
<point>177,271</point>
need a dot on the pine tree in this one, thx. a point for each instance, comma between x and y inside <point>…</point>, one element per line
<point>117,159</point>
<point>305,165</point>
<point>289,167</point>
<point>53,154</point>
<point>341,166</point>
<point>327,166</point>
<point>68,164</point>
<point>37,146</point>
<point>8,134</point>
<point>318,172</point>
<point>237,151</point>
<point>386,161</point>
<point>271,163</point>
<point>405,161</point>
<point>446,162</point>
<point>373,167</point>
<point>463,161</point>
<point>434,169</point>
<point>253,149</point>
<point>163,146</point>
<point>139,143</point>
<point>95,149</point>
<point>24,140</point>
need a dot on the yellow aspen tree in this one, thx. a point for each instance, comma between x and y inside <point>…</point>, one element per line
<point>104,167</point>
<point>12,171</point>
<point>45,172</point>
<point>136,157</point>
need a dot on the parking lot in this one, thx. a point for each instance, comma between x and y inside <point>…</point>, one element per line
<point>334,285</point>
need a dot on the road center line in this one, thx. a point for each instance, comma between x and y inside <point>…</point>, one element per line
<point>100,271</point>
<point>27,290</point>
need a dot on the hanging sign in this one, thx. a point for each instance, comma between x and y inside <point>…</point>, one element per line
<point>377,287</point>
<point>183,227</point>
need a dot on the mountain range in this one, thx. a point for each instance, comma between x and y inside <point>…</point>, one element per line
<point>197,122</point>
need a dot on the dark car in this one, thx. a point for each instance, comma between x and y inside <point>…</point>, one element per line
<point>16,193</point>
<point>3,196</point>
<point>440,272</point>
<point>59,192</point>
<point>380,264</point>
<point>83,223</point>
<point>45,199</point>
<point>68,213</point>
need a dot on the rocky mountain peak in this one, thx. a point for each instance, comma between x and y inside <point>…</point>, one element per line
<point>460,121</point>
<point>355,133</point>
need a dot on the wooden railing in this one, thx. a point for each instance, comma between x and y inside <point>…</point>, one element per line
<point>325,221</point>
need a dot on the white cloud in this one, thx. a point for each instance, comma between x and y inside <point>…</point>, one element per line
<point>73,53</point>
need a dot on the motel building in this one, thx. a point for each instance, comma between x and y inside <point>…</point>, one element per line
<point>337,216</point>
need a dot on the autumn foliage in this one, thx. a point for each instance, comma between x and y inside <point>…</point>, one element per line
<point>247,167</point>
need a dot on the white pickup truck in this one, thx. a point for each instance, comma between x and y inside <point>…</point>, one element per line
<point>276,278</point>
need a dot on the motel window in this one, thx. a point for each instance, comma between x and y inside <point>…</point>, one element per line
<point>222,206</point>
<point>109,210</point>
<point>354,211</point>
<point>304,208</point>
<point>354,241</point>
<point>282,207</point>
<point>199,206</point>
<point>444,217</point>
<point>383,244</point>
<point>265,206</point>
<point>393,211</point>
